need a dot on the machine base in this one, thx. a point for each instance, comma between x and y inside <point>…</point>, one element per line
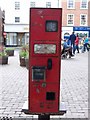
<point>43,116</point>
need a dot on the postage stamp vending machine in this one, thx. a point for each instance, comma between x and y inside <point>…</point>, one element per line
<point>44,62</point>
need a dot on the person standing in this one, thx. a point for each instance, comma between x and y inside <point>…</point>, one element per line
<point>77,43</point>
<point>72,39</point>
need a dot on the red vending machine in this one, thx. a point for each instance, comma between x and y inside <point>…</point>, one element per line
<point>44,61</point>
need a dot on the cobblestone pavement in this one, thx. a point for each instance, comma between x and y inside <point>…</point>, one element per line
<point>74,87</point>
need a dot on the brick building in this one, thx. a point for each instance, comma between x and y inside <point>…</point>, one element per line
<point>89,13</point>
<point>76,17</point>
<point>2,18</point>
<point>0,25</point>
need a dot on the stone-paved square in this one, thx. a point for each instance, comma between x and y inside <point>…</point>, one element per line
<point>74,87</point>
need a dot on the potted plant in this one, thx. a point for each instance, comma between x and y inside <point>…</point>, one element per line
<point>3,55</point>
<point>22,56</point>
<point>27,60</point>
<point>10,51</point>
<point>27,56</point>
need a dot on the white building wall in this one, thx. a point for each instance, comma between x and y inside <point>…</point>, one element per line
<point>42,3</point>
<point>23,13</point>
<point>11,13</point>
<point>66,30</point>
<point>17,28</point>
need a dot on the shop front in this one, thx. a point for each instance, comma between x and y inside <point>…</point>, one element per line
<point>66,32</point>
<point>82,31</point>
<point>16,35</point>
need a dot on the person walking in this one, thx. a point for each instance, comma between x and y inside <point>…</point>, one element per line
<point>72,39</point>
<point>86,43</point>
<point>77,43</point>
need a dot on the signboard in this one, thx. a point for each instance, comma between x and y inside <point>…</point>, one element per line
<point>81,28</point>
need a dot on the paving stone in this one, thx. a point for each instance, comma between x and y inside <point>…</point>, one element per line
<point>74,86</point>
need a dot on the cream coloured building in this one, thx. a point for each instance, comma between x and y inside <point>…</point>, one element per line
<point>75,17</point>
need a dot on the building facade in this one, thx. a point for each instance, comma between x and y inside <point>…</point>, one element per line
<point>0,25</point>
<point>89,13</point>
<point>17,22</point>
<point>75,17</point>
<point>2,18</point>
<point>17,19</point>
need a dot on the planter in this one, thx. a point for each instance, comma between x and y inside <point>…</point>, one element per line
<point>10,52</point>
<point>27,63</point>
<point>22,62</point>
<point>3,60</point>
<point>23,56</point>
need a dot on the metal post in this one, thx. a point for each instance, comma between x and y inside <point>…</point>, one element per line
<point>43,117</point>
<point>58,3</point>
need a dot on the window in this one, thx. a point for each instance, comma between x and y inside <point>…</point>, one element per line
<point>11,39</point>
<point>17,19</point>
<point>70,19</point>
<point>17,5</point>
<point>84,4</point>
<point>83,20</point>
<point>70,4</point>
<point>32,4</point>
<point>48,4</point>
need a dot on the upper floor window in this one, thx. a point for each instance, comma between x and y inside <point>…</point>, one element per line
<point>48,4</point>
<point>17,19</point>
<point>70,19</point>
<point>70,4</point>
<point>17,5</point>
<point>83,19</point>
<point>32,4</point>
<point>84,4</point>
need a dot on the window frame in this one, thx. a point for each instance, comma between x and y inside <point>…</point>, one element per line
<point>68,2</point>
<point>86,4</point>
<point>32,4</point>
<point>17,5</point>
<point>86,20</point>
<point>48,4</point>
<point>68,19</point>
<point>18,20</point>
